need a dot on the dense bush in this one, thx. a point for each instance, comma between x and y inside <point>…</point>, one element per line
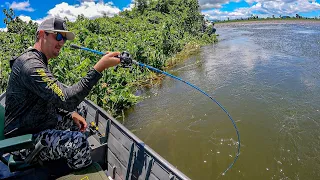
<point>152,32</point>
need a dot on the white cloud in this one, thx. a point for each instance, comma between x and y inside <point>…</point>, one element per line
<point>90,10</point>
<point>3,29</point>
<point>21,6</point>
<point>25,18</point>
<point>263,1</point>
<point>265,8</point>
<point>130,6</point>
<point>209,4</point>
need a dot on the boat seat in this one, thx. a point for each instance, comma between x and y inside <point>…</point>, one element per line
<point>14,144</point>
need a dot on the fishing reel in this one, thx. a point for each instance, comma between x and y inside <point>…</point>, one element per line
<point>125,61</point>
<point>94,129</point>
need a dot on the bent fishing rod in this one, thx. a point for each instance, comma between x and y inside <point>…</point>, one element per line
<point>126,61</point>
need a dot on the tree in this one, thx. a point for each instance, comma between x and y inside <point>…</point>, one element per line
<point>141,5</point>
<point>9,15</point>
<point>163,6</point>
<point>16,25</point>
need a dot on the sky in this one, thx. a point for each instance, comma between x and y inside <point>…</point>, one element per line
<point>37,10</point>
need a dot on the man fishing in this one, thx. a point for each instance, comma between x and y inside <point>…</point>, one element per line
<point>38,104</point>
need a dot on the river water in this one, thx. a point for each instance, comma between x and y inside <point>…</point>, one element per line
<point>267,76</point>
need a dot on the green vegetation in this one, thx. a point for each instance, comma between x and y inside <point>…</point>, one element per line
<point>154,32</point>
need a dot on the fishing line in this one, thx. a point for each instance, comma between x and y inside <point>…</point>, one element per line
<point>126,60</point>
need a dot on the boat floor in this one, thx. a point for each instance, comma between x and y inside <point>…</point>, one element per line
<point>49,170</point>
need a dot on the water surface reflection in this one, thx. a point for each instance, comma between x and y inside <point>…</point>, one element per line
<point>267,76</point>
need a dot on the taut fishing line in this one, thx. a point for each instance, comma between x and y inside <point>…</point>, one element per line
<point>127,61</point>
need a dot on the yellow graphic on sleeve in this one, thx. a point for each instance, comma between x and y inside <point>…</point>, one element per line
<point>51,84</point>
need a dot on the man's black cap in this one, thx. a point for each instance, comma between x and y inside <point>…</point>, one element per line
<point>56,25</point>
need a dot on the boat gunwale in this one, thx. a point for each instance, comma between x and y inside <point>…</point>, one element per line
<point>148,150</point>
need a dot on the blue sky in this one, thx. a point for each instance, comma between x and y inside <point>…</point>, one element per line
<point>37,10</point>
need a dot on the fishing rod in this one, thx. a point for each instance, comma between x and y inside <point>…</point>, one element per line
<point>126,61</point>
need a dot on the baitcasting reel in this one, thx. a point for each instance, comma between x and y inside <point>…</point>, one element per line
<point>125,60</point>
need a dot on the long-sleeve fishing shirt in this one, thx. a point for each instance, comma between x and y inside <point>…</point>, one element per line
<point>34,97</point>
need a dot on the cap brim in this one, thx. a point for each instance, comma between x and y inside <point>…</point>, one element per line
<point>69,35</point>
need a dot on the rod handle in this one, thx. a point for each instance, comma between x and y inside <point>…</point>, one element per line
<point>75,46</point>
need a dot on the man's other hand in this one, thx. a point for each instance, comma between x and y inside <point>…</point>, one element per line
<point>79,121</point>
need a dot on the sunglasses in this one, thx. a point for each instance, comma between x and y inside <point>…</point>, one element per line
<point>59,36</point>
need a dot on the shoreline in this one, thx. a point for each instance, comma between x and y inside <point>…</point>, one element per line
<point>268,21</point>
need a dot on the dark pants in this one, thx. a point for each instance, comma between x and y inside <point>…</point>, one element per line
<point>65,141</point>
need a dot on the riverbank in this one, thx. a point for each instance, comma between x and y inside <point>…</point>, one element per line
<point>188,50</point>
<point>268,21</point>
